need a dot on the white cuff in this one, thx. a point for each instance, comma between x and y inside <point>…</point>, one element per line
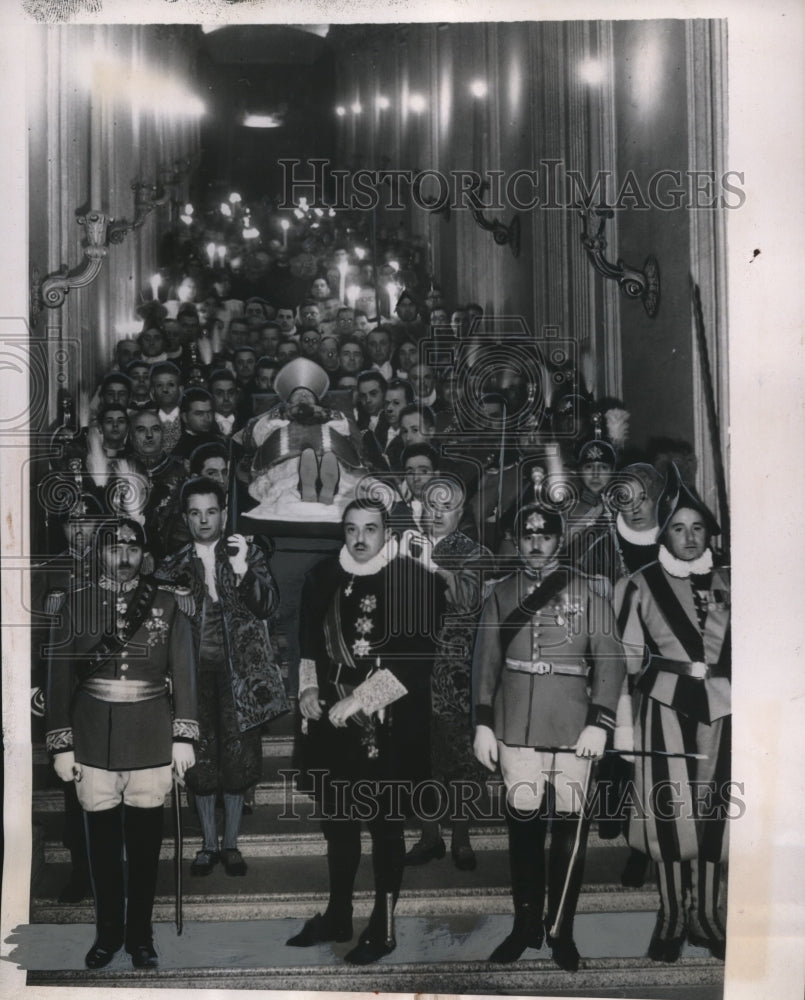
<point>379,690</point>
<point>307,675</point>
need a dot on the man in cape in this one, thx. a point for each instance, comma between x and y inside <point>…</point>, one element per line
<point>367,635</point>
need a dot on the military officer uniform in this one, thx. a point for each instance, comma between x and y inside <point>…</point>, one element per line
<point>120,692</point>
<point>546,666</point>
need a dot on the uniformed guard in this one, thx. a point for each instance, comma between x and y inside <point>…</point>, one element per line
<point>674,617</point>
<point>121,646</point>
<point>547,671</point>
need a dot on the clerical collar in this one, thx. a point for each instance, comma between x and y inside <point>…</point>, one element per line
<point>107,583</point>
<point>648,536</point>
<point>682,568</point>
<point>374,565</point>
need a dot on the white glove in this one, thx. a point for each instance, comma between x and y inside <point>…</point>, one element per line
<point>238,560</point>
<point>418,547</point>
<point>184,757</point>
<point>592,742</point>
<point>66,768</point>
<point>485,747</point>
<point>623,739</point>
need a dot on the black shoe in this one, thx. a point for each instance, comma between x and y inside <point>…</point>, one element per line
<point>233,862</point>
<point>77,888</point>
<point>464,857</point>
<point>635,870</point>
<point>204,862</point>
<point>716,946</point>
<point>143,955</point>
<point>100,955</point>
<point>369,950</point>
<point>526,933</point>
<point>421,853</point>
<point>565,953</point>
<point>662,949</point>
<point>320,929</point>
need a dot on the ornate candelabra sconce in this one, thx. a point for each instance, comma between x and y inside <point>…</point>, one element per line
<point>53,290</point>
<point>635,284</point>
<point>147,197</point>
<point>501,233</point>
<point>433,205</point>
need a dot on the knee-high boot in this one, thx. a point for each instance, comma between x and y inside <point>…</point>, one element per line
<point>527,866</point>
<point>343,857</point>
<point>673,880</point>
<point>143,831</point>
<point>388,861</point>
<point>105,851</point>
<point>565,874</point>
<point>705,929</point>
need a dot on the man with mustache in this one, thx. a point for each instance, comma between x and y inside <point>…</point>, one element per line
<point>121,714</point>
<point>369,619</point>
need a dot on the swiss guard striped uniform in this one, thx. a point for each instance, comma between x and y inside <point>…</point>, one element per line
<point>675,631</point>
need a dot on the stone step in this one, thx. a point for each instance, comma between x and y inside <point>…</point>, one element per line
<point>291,885</point>
<point>434,954</point>
<point>264,835</point>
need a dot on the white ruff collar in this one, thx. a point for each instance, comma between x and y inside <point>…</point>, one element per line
<point>374,565</point>
<point>681,568</point>
<point>646,537</point>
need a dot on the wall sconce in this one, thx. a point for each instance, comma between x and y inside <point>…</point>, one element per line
<point>501,233</point>
<point>431,204</point>
<point>146,199</point>
<point>643,285</point>
<point>54,289</point>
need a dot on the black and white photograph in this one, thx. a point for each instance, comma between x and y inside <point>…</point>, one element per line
<point>400,437</point>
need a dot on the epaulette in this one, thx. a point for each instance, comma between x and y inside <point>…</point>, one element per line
<point>184,597</point>
<point>54,601</point>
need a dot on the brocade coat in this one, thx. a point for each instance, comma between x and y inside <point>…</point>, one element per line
<point>257,686</point>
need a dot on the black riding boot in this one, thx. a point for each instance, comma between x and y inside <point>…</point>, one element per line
<point>143,831</point>
<point>388,861</point>
<point>565,834</point>
<point>527,865</point>
<point>343,857</point>
<point>105,851</point>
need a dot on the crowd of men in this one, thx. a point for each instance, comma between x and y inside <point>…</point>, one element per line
<point>599,616</point>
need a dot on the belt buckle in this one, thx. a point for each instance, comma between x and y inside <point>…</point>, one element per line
<point>542,667</point>
<point>699,670</point>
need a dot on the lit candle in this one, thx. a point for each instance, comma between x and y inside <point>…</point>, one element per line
<point>353,292</point>
<point>222,253</point>
<point>156,281</point>
<point>210,248</point>
<point>285,224</point>
<point>342,284</point>
<point>391,291</point>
